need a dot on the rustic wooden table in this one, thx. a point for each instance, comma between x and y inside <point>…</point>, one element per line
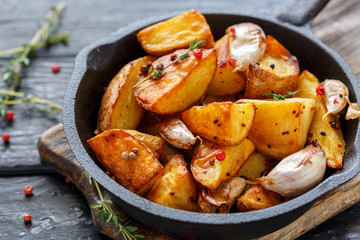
<point>58,209</point>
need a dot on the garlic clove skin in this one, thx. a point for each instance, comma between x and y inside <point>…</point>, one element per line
<point>247,44</point>
<point>353,111</point>
<point>175,132</point>
<point>221,199</point>
<point>336,96</point>
<point>297,173</point>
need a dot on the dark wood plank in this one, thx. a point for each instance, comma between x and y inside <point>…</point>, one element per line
<point>56,153</point>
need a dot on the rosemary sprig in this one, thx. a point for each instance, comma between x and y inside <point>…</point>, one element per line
<point>277,96</point>
<point>8,97</point>
<point>160,72</point>
<point>43,36</point>
<point>108,214</point>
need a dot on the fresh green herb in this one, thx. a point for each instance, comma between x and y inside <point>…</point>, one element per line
<point>11,75</point>
<point>160,72</point>
<point>108,215</point>
<point>8,98</point>
<point>278,97</point>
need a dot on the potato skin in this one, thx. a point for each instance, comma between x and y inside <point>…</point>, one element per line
<point>176,188</point>
<point>282,78</point>
<point>136,175</point>
<point>183,84</point>
<point>257,197</point>
<point>176,33</point>
<point>223,123</point>
<point>119,108</point>
<point>272,135</point>
<point>333,141</point>
<point>226,80</point>
<point>210,172</point>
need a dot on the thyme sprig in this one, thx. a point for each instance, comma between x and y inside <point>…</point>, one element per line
<point>108,215</point>
<point>161,71</point>
<point>42,37</point>
<point>277,96</point>
<point>8,98</point>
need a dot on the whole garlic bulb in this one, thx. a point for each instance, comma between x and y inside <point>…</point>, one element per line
<point>297,173</point>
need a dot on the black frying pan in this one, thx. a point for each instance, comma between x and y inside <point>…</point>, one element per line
<point>97,64</point>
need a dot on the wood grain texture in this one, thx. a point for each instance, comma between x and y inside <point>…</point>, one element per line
<point>56,153</point>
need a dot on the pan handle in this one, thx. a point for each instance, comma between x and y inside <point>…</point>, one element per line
<point>300,12</point>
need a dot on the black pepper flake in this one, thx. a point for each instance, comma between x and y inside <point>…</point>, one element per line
<point>295,130</point>
<point>216,121</point>
<point>106,139</point>
<point>334,124</point>
<point>282,199</point>
<point>285,133</point>
<point>340,95</point>
<point>315,142</point>
<point>172,193</point>
<point>227,174</point>
<point>160,66</point>
<point>269,146</point>
<point>294,112</point>
<point>310,134</point>
<point>111,134</point>
<point>219,124</point>
<point>259,199</point>
<point>323,133</point>
<point>272,66</point>
<point>215,137</point>
<point>212,161</point>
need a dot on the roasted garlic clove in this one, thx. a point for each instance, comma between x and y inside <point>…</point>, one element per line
<point>297,173</point>
<point>335,95</point>
<point>353,111</point>
<point>247,43</point>
<point>221,200</point>
<point>175,132</point>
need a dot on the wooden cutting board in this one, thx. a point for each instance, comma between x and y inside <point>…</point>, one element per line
<point>55,151</point>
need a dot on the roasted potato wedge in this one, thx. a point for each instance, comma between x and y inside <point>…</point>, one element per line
<point>278,71</point>
<point>221,200</point>
<point>280,127</point>
<point>119,108</point>
<point>257,197</point>
<point>226,79</point>
<point>209,171</point>
<point>325,131</point>
<point>254,166</point>
<point>176,33</point>
<point>176,188</point>
<point>159,147</point>
<point>223,123</point>
<point>183,84</point>
<point>139,174</point>
<point>175,132</point>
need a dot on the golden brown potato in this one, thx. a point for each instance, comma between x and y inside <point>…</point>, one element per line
<point>254,166</point>
<point>114,150</point>
<point>182,85</point>
<point>211,172</point>
<point>257,197</point>
<point>277,71</point>
<point>176,33</point>
<point>223,123</point>
<point>161,149</point>
<point>175,132</point>
<point>119,108</point>
<point>280,127</point>
<point>325,131</point>
<point>226,79</point>
<point>176,188</point>
<point>221,199</point>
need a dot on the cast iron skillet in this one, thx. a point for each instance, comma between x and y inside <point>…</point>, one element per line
<point>97,64</point>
